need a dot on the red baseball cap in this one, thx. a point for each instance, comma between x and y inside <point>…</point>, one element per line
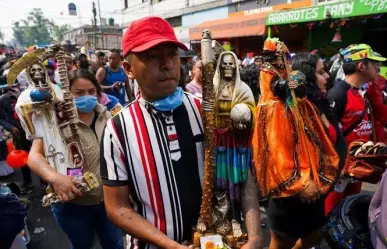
<point>146,33</point>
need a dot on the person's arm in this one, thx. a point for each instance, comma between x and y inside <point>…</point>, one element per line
<point>101,75</point>
<point>120,213</point>
<point>250,209</point>
<point>115,179</point>
<point>6,125</point>
<point>63,185</point>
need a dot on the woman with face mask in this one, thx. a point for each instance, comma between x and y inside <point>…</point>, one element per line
<point>78,214</point>
<point>316,80</point>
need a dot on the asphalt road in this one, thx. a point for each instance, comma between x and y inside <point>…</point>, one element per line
<point>45,233</point>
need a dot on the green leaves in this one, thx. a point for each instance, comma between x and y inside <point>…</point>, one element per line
<point>36,29</point>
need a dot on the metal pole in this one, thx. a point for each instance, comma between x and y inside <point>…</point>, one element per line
<point>95,26</point>
<point>100,24</point>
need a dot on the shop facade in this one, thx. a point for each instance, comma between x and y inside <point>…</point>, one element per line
<point>244,28</point>
<point>331,26</point>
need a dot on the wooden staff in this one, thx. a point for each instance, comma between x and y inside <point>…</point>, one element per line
<point>208,110</point>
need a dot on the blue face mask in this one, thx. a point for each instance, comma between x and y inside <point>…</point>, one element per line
<point>86,103</point>
<point>171,102</point>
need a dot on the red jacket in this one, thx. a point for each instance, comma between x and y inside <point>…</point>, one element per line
<point>379,110</point>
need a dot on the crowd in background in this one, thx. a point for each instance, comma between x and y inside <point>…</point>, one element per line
<point>325,88</point>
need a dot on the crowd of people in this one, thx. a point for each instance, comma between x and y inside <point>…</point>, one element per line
<point>140,125</point>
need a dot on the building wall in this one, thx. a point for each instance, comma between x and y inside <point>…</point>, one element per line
<point>74,34</point>
<point>167,8</point>
<point>251,7</point>
<point>196,18</point>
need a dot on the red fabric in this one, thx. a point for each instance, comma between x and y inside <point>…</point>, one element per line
<point>148,32</point>
<point>332,134</point>
<point>380,82</point>
<point>375,97</point>
<point>353,111</point>
<point>334,197</point>
<point>379,110</point>
<point>148,162</point>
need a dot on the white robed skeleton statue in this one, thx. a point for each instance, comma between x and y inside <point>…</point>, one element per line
<point>234,109</point>
<point>48,112</point>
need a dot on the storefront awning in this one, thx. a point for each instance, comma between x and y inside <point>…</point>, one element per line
<point>231,27</point>
<point>341,9</point>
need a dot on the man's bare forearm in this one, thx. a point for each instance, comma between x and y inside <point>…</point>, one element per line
<point>135,225</point>
<point>250,208</point>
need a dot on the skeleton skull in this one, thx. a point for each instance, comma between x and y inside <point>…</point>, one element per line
<point>228,66</point>
<point>37,73</point>
<point>206,34</point>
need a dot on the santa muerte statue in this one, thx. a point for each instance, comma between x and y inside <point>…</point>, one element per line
<point>290,145</point>
<point>48,112</point>
<point>228,114</point>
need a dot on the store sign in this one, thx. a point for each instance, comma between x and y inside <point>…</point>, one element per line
<point>336,10</point>
<point>255,7</point>
<point>72,9</point>
<point>257,11</point>
<point>231,27</point>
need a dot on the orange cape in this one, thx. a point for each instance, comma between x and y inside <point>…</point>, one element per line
<point>285,157</point>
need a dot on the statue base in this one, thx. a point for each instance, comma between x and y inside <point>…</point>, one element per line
<point>229,241</point>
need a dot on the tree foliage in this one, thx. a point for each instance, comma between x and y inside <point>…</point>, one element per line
<point>37,29</point>
<point>58,31</point>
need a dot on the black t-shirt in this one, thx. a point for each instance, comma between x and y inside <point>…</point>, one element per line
<point>348,106</point>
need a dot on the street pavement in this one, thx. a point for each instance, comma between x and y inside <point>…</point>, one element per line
<point>46,234</point>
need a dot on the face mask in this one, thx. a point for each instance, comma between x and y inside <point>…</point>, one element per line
<point>171,102</point>
<point>86,103</point>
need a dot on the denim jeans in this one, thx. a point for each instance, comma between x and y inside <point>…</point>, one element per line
<point>80,222</point>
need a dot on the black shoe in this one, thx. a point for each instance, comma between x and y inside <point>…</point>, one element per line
<point>26,188</point>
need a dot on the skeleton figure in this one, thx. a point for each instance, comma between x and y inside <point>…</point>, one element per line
<point>228,66</point>
<point>35,107</point>
<point>234,106</point>
<point>225,90</point>
<point>41,86</point>
<point>37,73</point>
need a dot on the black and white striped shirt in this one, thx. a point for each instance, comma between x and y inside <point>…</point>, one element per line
<point>160,157</point>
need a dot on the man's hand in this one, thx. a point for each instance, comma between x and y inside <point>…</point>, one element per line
<point>254,243</point>
<point>116,85</point>
<point>310,194</point>
<point>65,188</point>
<point>293,84</point>
<point>15,132</point>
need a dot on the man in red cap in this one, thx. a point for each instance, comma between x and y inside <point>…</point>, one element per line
<point>152,151</point>
<point>152,157</point>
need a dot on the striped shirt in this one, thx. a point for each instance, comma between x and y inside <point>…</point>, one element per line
<point>159,156</point>
<point>195,90</point>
